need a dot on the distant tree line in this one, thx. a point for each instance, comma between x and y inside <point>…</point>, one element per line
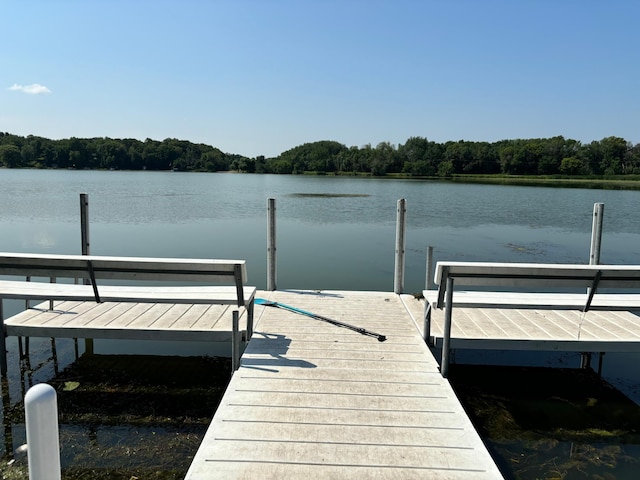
<point>418,156</point>
<point>109,153</point>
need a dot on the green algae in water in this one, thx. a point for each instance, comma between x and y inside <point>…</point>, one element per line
<point>128,416</point>
<point>551,423</point>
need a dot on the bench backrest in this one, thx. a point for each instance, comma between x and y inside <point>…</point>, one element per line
<point>123,268</point>
<point>523,275</point>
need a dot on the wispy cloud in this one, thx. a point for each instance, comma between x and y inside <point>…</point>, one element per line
<point>33,89</point>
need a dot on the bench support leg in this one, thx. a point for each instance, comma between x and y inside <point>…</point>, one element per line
<point>426,329</point>
<point>250,321</point>
<point>600,359</point>
<point>3,345</point>
<point>446,338</point>
<point>235,343</point>
<point>585,360</point>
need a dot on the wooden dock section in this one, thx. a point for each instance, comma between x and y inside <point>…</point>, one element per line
<point>315,400</point>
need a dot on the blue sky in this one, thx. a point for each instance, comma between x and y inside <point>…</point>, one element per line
<point>257,77</point>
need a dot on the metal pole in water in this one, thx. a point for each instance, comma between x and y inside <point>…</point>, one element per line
<point>596,234</point>
<point>84,223</point>
<point>398,284</point>
<point>43,444</point>
<point>86,250</point>
<point>429,281</point>
<point>271,244</point>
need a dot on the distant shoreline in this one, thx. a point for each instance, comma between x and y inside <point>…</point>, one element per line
<point>620,182</point>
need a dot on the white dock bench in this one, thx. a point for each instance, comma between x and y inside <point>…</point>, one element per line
<point>193,296</point>
<point>533,287</point>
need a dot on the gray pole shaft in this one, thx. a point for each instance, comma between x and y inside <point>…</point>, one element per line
<point>84,223</point>
<point>596,234</point>
<point>235,341</point>
<point>3,345</point>
<point>446,337</point>
<point>271,244</point>
<point>398,284</point>
<point>429,279</point>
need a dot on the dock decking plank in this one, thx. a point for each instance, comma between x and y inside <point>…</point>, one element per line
<point>115,320</point>
<point>331,403</point>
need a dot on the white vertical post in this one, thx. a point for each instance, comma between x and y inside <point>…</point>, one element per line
<point>398,284</point>
<point>271,244</point>
<point>596,234</point>
<point>84,223</point>
<point>43,444</point>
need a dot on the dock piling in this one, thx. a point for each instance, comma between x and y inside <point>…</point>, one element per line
<point>84,223</point>
<point>429,279</point>
<point>596,234</point>
<point>398,285</point>
<point>271,244</point>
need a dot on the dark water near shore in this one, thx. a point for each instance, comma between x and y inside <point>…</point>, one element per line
<point>332,233</point>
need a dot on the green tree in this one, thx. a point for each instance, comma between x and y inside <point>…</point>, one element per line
<point>446,169</point>
<point>614,153</point>
<point>419,156</point>
<point>10,156</point>
<point>572,166</point>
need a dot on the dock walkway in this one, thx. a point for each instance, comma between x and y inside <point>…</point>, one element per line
<point>314,400</point>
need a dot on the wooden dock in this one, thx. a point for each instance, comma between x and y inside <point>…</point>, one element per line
<point>312,399</point>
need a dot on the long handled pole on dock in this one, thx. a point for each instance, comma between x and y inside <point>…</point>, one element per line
<point>363,331</point>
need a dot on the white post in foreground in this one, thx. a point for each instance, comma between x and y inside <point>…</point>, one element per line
<point>43,444</point>
<point>398,284</point>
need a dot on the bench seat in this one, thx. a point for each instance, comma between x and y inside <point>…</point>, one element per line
<point>116,320</point>
<point>556,301</point>
<point>88,296</point>
<point>532,288</point>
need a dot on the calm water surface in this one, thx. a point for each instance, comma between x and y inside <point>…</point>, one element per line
<point>341,237</point>
<point>323,242</point>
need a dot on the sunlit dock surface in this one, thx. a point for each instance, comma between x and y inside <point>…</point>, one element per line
<point>314,400</point>
<point>518,327</point>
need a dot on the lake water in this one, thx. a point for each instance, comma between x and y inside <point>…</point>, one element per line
<point>332,232</point>
<point>324,242</point>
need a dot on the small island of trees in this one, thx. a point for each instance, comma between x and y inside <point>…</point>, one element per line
<point>417,157</point>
